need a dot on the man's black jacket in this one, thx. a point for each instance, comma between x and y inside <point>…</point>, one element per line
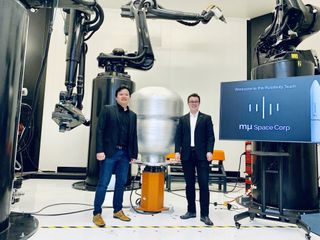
<point>108,132</point>
<point>203,137</point>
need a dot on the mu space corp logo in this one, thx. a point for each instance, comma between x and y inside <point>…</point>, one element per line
<point>279,109</point>
<point>264,110</point>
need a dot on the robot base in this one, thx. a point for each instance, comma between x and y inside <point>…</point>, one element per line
<point>22,226</point>
<point>152,190</point>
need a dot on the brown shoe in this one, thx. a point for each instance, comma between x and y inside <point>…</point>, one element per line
<point>120,215</point>
<point>98,220</point>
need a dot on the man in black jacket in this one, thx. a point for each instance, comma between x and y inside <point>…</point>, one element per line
<point>194,143</point>
<point>116,144</point>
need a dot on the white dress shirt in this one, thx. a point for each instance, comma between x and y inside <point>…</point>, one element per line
<point>193,121</point>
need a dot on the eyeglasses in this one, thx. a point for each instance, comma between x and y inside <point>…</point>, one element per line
<point>193,101</point>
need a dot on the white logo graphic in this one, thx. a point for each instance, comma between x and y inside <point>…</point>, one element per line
<point>265,109</point>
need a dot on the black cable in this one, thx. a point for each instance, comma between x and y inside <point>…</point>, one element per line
<point>22,143</point>
<point>228,184</point>
<point>86,3</point>
<point>96,23</point>
<point>138,201</point>
<point>136,192</point>
<point>25,137</point>
<point>39,78</point>
<point>228,206</point>
<point>58,204</point>
<point>37,213</point>
<point>132,188</point>
<point>59,214</point>
<point>237,181</point>
<point>43,65</point>
<point>178,195</point>
<point>210,190</point>
<point>190,24</point>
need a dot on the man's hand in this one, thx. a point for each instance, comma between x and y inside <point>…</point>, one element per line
<point>209,156</point>
<point>101,156</point>
<point>133,160</point>
<point>178,157</point>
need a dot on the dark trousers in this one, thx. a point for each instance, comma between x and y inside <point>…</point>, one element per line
<point>190,167</point>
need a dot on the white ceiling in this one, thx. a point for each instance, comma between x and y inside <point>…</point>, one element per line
<point>231,8</point>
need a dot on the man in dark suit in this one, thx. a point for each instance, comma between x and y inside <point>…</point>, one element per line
<point>194,143</point>
<point>116,144</point>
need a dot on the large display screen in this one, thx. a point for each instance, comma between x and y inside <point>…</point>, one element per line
<point>275,110</point>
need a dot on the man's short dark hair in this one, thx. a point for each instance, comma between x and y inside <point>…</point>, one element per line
<point>194,95</point>
<point>121,88</point>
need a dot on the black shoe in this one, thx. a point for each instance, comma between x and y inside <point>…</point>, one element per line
<point>206,221</point>
<point>188,215</point>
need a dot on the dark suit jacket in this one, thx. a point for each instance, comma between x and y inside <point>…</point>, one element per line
<point>203,137</point>
<point>108,131</point>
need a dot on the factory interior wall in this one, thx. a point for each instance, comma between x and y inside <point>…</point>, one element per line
<point>188,59</point>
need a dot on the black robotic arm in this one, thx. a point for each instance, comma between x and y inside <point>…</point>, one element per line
<point>79,27</point>
<point>154,10</point>
<point>118,60</point>
<point>83,19</point>
<point>140,10</point>
<point>292,23</point>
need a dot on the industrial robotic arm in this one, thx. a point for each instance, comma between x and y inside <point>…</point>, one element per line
<point>79,27</point>
<point>83,19</point>
<point>140,10</point>
<point>155,10</point>
<point>293,22</point>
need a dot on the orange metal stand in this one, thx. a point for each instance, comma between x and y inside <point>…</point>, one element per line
<point>152,192</point>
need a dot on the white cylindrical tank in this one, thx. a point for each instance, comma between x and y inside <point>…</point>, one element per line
<point>158,110</point>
